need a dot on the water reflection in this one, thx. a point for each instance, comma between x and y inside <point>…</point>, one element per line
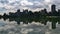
<point>42,21</point>
<point>30,26</point>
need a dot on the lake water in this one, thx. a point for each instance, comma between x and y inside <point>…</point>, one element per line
<point>24,27</point>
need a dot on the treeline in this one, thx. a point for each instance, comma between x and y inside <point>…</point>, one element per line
<point>30,14</point>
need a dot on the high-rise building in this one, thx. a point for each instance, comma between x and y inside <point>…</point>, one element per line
<point>17,13</point>
<point>53,8</point>
<point>18,10</point>
<point>25,11</point>
<point>58,10</point>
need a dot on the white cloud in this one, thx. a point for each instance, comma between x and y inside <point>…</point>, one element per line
<point>25,3</point>
<point>47,0</point>
<point>11,1</point>
<point>29,4</point>
<point>1,5</point>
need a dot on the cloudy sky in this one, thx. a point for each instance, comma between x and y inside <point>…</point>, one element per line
<point>13,5</point>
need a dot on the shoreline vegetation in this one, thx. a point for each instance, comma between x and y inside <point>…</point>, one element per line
<point>32,15</point>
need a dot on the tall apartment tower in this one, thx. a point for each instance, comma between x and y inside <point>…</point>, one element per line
<point>53,8</point>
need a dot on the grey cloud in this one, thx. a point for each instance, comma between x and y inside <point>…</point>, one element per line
<point>57,3</point>
<point>36,4</point>
<point>2,9</point>
<point>4,1</point>
<point>35,0</point>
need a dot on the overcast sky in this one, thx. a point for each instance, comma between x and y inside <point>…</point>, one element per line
<point>13,5</point>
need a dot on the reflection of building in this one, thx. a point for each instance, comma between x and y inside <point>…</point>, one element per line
<point>58,22</point>
<point>54,25</point>
<point>25,22</point>
<point>44,22</point>
<point>18,22</point>
<point>51,25</point>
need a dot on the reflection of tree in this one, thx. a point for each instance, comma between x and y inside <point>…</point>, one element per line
<point>40,20</point>
<point>43,22</point>
<point>18,21</point>
<point>25,22</point>
<point>59,22</point>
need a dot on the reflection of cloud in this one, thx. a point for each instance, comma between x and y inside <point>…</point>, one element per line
<point>23,29</point>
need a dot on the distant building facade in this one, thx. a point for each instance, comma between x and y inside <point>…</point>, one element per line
<point>53,8</point>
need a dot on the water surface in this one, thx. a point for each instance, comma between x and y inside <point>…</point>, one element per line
<point>24,27</point>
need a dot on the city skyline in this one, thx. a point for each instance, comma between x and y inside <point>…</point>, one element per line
<point>30,14</point>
